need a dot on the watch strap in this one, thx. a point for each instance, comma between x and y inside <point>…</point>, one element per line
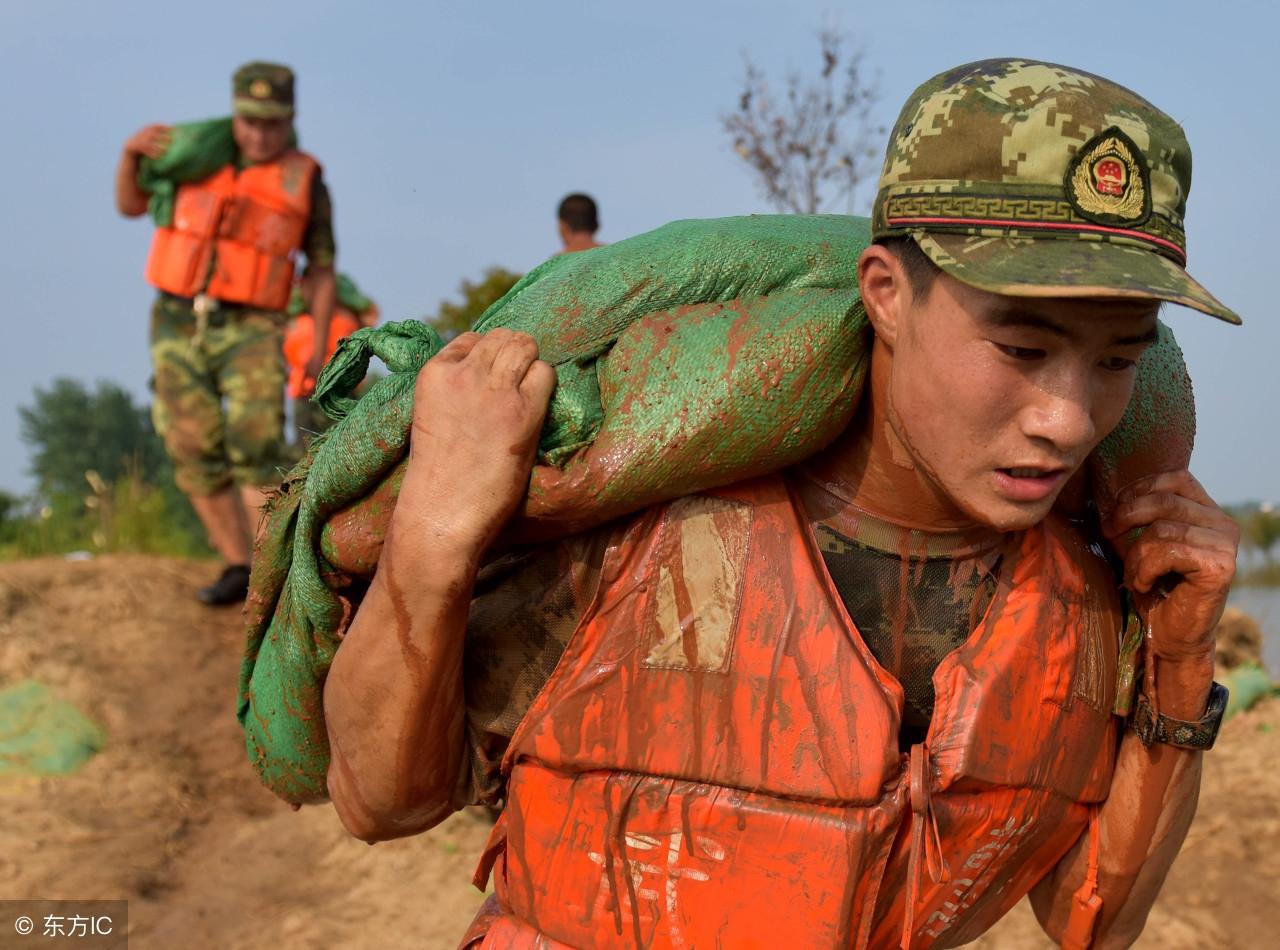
<point>1199,735</point>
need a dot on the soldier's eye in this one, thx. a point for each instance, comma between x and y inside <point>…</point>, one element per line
<point>1020,352</point>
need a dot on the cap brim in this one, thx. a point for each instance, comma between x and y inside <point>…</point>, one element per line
<point>1019,266</point>
<point>261,109</point>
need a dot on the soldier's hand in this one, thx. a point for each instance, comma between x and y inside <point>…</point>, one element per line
<point>1188,540</point>
<point>478,411</point>
<point>314,365</point>
<point>151,141</point>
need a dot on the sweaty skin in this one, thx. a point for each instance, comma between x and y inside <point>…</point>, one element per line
<point>980,409</point>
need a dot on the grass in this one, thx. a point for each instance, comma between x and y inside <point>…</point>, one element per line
<point>130,516</point>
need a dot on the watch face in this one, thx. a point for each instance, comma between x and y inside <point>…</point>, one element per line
<point>1144,724</point>
<point>1212,721</point>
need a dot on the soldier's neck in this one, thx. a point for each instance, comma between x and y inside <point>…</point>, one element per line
<point>575,241</point>
<point>869,468</point>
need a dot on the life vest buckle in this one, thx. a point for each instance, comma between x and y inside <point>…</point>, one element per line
<point>204,306</point>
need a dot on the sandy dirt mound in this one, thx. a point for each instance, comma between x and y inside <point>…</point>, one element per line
<point>1239,639</point>
<point>169,816</point>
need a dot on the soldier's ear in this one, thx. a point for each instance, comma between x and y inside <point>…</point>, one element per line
<point>886,291</point>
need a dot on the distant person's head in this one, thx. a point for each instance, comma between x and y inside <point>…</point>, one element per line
<point>262,107</point>
<point>579,220</point>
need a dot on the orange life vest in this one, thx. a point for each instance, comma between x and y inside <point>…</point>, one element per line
<point>249,223</point>
<point>715,763</point>
<point>300,341</point>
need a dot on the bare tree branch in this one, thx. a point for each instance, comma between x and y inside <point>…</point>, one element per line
<point>814,145</point>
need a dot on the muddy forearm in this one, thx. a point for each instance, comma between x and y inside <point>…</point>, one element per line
<point>395,705</point>
<point>1142,823</point>
<point>394,701</point>
<point>324,296</point>
<point>131,201</point>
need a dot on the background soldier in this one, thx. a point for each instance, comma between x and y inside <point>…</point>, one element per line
<point>578,221</point>
<point>223,265</point>
<point>352,311</point>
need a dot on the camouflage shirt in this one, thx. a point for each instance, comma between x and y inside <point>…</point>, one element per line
<point>913,605</point>
<point>911,610</point>
<point>318,242</point>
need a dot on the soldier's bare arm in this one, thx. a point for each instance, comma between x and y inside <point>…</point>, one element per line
<point>323,297</point>
<point>150,141</point>
<point>394,701</point>
<point>1154,791</point>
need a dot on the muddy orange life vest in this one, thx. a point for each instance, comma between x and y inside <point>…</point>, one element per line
<point>299,344</point>
<point>715,761</point>
<point>249,223</point>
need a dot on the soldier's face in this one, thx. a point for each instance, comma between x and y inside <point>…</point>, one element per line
<point>261,140</point>
<point>998,399</point>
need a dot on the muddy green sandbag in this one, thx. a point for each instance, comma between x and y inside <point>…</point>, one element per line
<point>196,150</point>
<point>697,355</point>
<point>709,350</point>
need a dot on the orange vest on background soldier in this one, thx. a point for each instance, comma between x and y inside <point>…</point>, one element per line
<point>724,816</point>
<point>300,342</point>
<point>235,235</point>
<point>351,311</point>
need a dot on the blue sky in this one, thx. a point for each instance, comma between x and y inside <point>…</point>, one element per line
<point>449,131</point>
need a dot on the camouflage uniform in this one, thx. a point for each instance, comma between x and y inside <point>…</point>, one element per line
<point>219,402</point>
<point>238,360</point>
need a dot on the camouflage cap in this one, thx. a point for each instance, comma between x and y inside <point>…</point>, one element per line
<point>1034,180</point>
<point>263,91</point>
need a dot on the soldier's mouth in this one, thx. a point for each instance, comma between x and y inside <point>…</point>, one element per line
<point>1026,483</point>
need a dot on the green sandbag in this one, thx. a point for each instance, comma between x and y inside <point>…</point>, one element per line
<point>41,734</point>
<point>696,355</point>
<point>758,305</point>
<point>196,150</point>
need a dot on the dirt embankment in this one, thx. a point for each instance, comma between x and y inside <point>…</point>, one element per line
<point>169,816</point>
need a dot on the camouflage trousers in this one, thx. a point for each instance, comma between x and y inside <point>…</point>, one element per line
<point>219,395</point>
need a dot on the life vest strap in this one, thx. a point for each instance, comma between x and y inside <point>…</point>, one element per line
<point>1087,902</point>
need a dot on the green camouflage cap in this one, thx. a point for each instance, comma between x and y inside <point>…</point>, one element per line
<point>263,91</point>
<point>1034,180</point>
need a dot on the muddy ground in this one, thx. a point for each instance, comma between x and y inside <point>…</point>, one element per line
<point>169,817</point>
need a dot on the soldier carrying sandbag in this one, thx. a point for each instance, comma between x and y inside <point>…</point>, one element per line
<point>869,697</point>
<point>234,202</point>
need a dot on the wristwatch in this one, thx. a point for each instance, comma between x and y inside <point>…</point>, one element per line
<point>1178,732</point>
